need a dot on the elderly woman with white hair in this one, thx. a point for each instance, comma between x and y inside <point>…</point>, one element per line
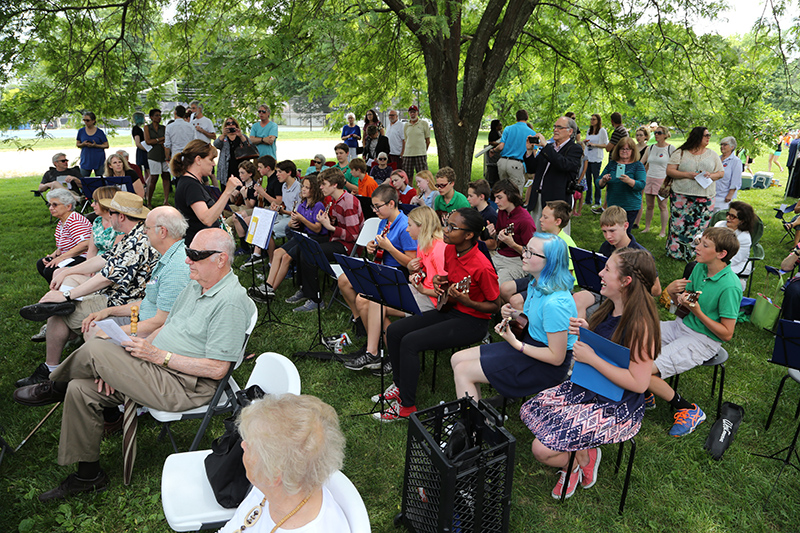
<point>317,164</point>
<point>73,232</point>
<point>292,445</point>
<point>731,180</point>
<point>351,134</point>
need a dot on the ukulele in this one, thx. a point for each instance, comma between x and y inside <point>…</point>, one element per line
<point>328,213</point>
<point>442,301</point>
<point>282,208</point>
<point>691,299</point>
<point>418,277</point>
<point>380,251</point>
<point>509,229</point>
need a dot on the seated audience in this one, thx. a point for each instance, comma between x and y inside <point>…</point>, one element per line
<point>343,223</point>
<point>449,198</point>
<point>465,323</point>
<point>382,170</point>
<point>568,417</point>
<point>740,220</point>
<point>405,192</point>
<point>136,168</point>
<point>510,243</point>
<point>374,144</point>
<point>178,366</point>
<point>393,246</point>
<point>317,164</point>
<point>342,152</point>
<point>165,228</point>
<point>304,220</point>
<point>366,185</point>
<point>691,341</point>
<point>116,167</point>
<point>104,236</point>
<point>119,276</point>
<point>73,232</point>
<point>292,445</point>
<point>541,359</point>
<point>60,175</point>
<point>427,195</point>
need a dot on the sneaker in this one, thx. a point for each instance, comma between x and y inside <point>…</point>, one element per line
<point>390,395</point>
<point>589,472</point>
<point>41,336</point>
<point>310,305</point>
<point>597,209</point>
<point>296,298</point>
<point>240,252</point>
<point>367,360</point>
<point>385,369</point>
<point>75,485</point>
<point>574,479</point>
<point>687,420</point>
<point>395,412</point>
<point>254,260</point>
<point>40,375</point>
<point>649,401</point>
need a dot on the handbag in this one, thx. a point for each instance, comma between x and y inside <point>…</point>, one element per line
<point>245,151</point>
<point>224,467</point>
<point>765,312</point>
<point>666,186</point>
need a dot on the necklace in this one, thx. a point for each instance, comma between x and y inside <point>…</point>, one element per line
<point>255,514</point>
<point>461,254</point>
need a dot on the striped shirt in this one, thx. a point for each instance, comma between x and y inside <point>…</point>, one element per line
<point>72,232</point>
<point>346,211</point>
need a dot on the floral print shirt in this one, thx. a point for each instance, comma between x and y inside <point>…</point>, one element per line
<point>129,265</point>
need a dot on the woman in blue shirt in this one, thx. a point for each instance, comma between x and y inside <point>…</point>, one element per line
<point>625,178</point>
<point>93,143</point>
<point>351,134</point>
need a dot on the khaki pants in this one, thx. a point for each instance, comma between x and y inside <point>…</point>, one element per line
<point>150,385</point>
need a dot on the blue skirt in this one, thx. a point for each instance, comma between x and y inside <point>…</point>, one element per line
<point>516,375</point>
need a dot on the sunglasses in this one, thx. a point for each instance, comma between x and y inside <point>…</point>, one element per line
<point>317,162</point>
<point>230,124</point>
<point>658,133</point>
<point>442,185</point>
<point>706,135</point>
<point>199,255</point>
<point>381,159</point>
<point>263,111</point>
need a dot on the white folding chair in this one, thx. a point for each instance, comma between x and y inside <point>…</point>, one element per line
<point>348,498</point>
<point>369,230</point>
<point>223,401</point>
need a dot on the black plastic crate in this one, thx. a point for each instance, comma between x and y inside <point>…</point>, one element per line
<point>459,470</point>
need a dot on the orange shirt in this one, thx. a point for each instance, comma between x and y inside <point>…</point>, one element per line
<point>366,186</point>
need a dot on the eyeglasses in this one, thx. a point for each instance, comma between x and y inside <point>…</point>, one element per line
<point>62,160</point>
<point>148,228</point>
<point>625,149</point>
<point>442,185</point>
<point>557,127</point>
<point>392,114</point>
<point>54,204</point>
<point>450,227</point>
<point>527,253</point>
<point>199,255</point>
<point>730,215</point>
<point>706,135</point>
<point>376,207</point>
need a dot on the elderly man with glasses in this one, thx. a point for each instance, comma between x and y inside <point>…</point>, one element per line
<point>264,133</point>
<point>175,368</point>
<point>395,132</point>
<point>60,175</point>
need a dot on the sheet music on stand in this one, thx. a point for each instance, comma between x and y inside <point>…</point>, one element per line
<point>260,229</point>
<point>587,267</point>
<point>379,283</point>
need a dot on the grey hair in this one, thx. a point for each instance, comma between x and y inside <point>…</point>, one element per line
<point>123,154</point>
<point>58,156</point>
<point>197,103</point>
<point>347,116</point>
<point>731,141</point>
<point>172,220</point>
<point>294,439</point>
<point>221,241</point>
<point>265,106</point>
<point>573,126</point>
<point>321,158</point>
<point>383,154</point>
<point>63,195</point>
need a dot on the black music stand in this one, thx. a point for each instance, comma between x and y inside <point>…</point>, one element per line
<point>311,252</point>
<point>587,266</point>
<point>785,353</point>
<point>384,285</point>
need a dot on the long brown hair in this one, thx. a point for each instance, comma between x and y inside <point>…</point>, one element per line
<point>316,192</point>
<point>639,327</point>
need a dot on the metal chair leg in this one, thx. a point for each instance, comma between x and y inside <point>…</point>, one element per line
<point>627,474</point>
<point>721,387</point>
<point>433,370</point>
<point>569,474</point>
<point>775,402</point>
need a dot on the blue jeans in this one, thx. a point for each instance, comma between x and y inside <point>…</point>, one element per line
<point>592,177</point>
<point>88,172</point>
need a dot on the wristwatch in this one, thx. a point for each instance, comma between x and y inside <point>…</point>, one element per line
<point>67,295</point>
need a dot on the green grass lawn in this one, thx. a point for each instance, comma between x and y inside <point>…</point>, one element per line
<point>675,485</point>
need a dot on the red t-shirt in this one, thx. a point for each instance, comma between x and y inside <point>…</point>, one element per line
<point>484,286</point>
<point>406,197</point>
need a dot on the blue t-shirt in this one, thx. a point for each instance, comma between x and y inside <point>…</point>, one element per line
<point>513,139</point>
<point>621,194</point>
<point>549,313</point>
<point>347,130</point>
<point>92,158</point>
<point>399,237</point>
<point>265,131</point>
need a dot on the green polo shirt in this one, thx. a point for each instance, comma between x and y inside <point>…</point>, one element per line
<point>168,280</point>
<point>348,176</point>
<point>211,325</point>
<point>456,202</point>
<point>721,298</point>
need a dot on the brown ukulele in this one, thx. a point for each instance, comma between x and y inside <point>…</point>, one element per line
<point>509,229</point>
<point>443,300</point>
<point>380,251</point>
<point>282,208</point>
<point>683,309</point>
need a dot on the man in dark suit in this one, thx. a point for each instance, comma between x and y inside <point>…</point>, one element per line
<point>555,167</point>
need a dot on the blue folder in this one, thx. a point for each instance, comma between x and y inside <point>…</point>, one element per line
<point>589,378</point>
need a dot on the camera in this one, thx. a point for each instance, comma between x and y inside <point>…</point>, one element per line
<point>231,130</point>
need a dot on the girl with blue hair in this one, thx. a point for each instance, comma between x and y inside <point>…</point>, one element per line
<point>541,359</point>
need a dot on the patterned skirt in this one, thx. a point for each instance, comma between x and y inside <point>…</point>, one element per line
<point>568,418</point>
<point>689,216</point>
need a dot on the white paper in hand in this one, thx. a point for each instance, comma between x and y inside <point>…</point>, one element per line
<point>703,180</point>
<point>114,332</point>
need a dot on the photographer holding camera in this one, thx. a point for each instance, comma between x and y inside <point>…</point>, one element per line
<point>227,143</point>
<point>625,178</point>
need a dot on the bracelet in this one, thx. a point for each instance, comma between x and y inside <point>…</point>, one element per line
<point>522,348</point>
<point>165,364</point>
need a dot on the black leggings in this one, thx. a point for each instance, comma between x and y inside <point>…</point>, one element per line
<point>47,272</point>
<point>310,273</point>
<point>432,330</point>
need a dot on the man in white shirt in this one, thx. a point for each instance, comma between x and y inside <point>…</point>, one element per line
<point>395,133</point>
<point>203,127</point>
<point>178,134</point>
